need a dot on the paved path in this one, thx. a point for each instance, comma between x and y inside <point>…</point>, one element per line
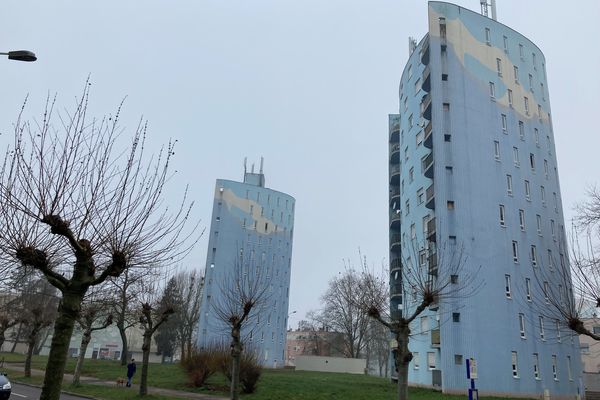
<point>25,392</point>
<point>67,378</point>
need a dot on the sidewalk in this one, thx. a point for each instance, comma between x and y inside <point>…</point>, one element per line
<point>68,378</point>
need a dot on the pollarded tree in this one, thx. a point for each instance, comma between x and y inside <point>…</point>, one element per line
<point>81,205</point>
<point>243,295</point>
<point>93,318</point>
<point>436,276</point>
<point>189,286</point>
<point>166,338</point>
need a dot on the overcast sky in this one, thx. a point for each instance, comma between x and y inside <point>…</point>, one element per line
<point>306,84</point>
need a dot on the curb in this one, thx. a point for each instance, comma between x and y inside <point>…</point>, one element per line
<point>62,391</point>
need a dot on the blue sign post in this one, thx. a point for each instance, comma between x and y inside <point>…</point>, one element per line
<point>472,375</point>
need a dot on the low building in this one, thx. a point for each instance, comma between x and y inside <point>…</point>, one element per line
<point>312,343</point>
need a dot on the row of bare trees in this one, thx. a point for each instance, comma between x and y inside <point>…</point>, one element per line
<point>80,205</point>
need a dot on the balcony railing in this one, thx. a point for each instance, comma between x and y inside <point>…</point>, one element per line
<point>395,219</point>
<point>395,174</point>
<point>431,230</point>
<point>394,153</point>
<point>427,166</point>
<point>394,133</point>
<point>428,137</point>
<point>395,264</point>
<point>426,86</point>
<point>395,241</point>
<point>426,106</point>
<point>430,197</point>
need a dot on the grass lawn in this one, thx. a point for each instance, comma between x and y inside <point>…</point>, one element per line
<point>280,384</point>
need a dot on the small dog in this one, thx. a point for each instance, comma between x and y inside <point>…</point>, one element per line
<point>120,382</point>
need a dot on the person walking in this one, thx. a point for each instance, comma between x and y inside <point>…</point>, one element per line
<point>131,367</point>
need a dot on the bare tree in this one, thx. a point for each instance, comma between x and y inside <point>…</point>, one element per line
<point>126,289</point>
<point>9,313</point>
<point>79,206</point>
<point>37,312</point>
<point>151,318</point>
<point>427,283</point>
<point>92,318</point>
<point>243,295</point>
<point>342,313</point>
<point>190,286</point>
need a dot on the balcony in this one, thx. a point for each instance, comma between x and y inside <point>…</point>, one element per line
<point>394,153</point>
<point>425,51</point>
<point>426,106</point>
<point>394,196</point>
<point>430,198</point>
<point>426,86</point>
<point>395,134</point>
<point>428,140</point>
<point>395,174</point>
<point>435,338</point>
<point>395,241</point>
<point>427,166</point>
<point>394,220</point>
<point>396,264</point>
<point>431,230</point>
<point>395,289</point>
<point>433,265</point>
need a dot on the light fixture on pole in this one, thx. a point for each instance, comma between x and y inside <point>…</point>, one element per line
<point>20,55</point>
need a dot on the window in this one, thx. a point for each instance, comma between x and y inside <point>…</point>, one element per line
<point>413,231</point>
<point>522,219</point>
<point>543,195</point>
<point>528,289</point>
<point>505,42</point>
<point>504,123</point>
<point>527,190</point>
<point>516,156</point>
<point>557,323</point>
<point>419,138</point>
<point>444,77</point>
<point>418,85</point>
<point>458,359</point>
<point>550,260</point>
<point>409,71</point>
<point>533,60</point>
<point>541,322</point>
<point>407,207</point>
<point>515,251</point>
<point>543,93</point>
<point>488,37</point>
<point>507,290</point>
<point>521,130</point>
<point>415,360</point>
<point>536,135</point>
<point>516,73</point>
<point>554,368</point>
<point>405,103</point>
<point>496,150</point>
<point>538,220</point>
<point>522,326</point>
<point>492,90</point>
<point>509,186</point>
<point>546,168</point>
<point>450,205</point>
<point>526,101</point>
<point>515,366</point>
<point>499,66</point>
<point>546,289</point>
<point>510,98</point>
<point>502,216</point>
<point>552,230</point>
<point>454,279</point>
<point>411,174</point>
<point>533,255</point>
<point>536,366</point>
<point>570,374</point>
<point>447,138</point>
<point>420,196</point>
<point>521,54</point>
<point>406,153</point>
<point>539,112</point>
<point>532,161</point>
<point>410,121</point>
<point>584,348</point>
<point>455,317</point>
<point>555,201</point>
<point>431,360</point>
<point>531,83</point>
<point>424,324</point>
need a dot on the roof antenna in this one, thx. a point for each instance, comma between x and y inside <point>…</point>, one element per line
<point>245,160</point>
<point>485,8</point>
<point>262,160</point>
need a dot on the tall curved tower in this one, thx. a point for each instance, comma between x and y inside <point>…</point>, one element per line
<point>472,162</point>
<point>250,239</point>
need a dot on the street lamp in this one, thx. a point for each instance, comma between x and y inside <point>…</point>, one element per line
<point>20,55</point>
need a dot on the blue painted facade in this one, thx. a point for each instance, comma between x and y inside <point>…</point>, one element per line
<point>252,228</point>
<point>472,161</point>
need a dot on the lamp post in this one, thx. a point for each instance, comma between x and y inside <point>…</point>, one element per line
<point>20,55</point>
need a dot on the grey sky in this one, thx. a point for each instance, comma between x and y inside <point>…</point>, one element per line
<point>306,84</point>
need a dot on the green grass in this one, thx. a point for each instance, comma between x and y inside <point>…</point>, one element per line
<point>282,384</point>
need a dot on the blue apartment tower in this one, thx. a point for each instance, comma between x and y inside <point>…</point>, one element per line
<point>251,236</point>
<point>472,161</point>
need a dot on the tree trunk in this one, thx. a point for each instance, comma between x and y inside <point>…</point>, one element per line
<point>2,337</point>
<point>145,360</point>
<point>30,346</point>
<point>125,350</point>
<point>85,341</point>
<point>68,311</point>
<point>40,343</point>
<point>14,346</point>
<point>183,355</point>
<point>402,360</point>
<point>402,379</point>
<point>235,372</point>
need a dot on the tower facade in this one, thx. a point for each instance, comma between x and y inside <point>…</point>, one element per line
<point>473,166</point>
<point>250,240</point>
